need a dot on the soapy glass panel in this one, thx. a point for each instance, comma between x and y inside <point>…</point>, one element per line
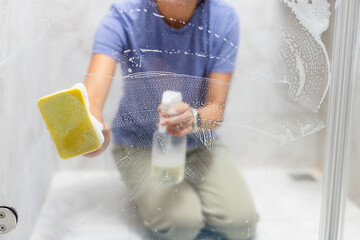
<point>254,164</point>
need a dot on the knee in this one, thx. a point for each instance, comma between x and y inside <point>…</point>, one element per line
<point>182,223</point>
<point>176,227</point>
<point>241,227</point>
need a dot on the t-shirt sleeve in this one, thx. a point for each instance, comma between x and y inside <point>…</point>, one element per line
<point>110,35</point>
<point>225,46</point>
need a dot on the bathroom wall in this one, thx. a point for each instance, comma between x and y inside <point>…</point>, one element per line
<point>26,162</point>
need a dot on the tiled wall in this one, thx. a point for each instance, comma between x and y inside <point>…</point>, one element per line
<point>26,154</point>
<point>44,47</point>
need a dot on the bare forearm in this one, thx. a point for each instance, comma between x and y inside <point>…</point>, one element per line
<point>98,82</point>
<point>212,116</point>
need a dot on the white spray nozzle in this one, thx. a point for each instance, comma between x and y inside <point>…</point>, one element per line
<point>170,99</point>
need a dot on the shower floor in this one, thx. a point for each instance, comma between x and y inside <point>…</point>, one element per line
<point>93,205</point>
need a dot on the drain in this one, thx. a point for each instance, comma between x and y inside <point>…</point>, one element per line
<point>8,219</point>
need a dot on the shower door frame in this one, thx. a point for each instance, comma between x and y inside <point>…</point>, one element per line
<point>345,65</point>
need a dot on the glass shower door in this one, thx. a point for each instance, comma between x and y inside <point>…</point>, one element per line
<point>262,172</point>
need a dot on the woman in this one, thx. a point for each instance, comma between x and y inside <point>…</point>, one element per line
<point>187,38</point>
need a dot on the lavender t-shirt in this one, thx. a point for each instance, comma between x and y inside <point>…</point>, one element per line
<point>135,34</point>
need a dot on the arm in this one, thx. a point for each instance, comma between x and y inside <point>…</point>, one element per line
<point>98,83</point>
<point>212,114</point>
<point>217,92</point>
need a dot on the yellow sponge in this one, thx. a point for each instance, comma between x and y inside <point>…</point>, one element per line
<point>74,130</point>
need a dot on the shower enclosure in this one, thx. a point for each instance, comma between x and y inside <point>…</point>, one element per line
<point>290,125</point>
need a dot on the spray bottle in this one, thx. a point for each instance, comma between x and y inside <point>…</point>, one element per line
<point>168,152</point>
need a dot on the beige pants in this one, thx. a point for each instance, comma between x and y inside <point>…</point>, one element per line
<point>214,194</point>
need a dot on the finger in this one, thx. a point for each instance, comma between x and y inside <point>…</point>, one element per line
<point>186,117</point>
<point>93,154</point>
<point>182,132</point>
<point>160,109</point>
<point>106,130</point>
<point>106,133</point>
<point>162,122</point>
<point>178,128</point>
<point>106,126</point>
<point>176,110</point>
<point>181,126</point>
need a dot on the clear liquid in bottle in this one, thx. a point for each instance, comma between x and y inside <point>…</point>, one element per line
<point>168,152</point>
